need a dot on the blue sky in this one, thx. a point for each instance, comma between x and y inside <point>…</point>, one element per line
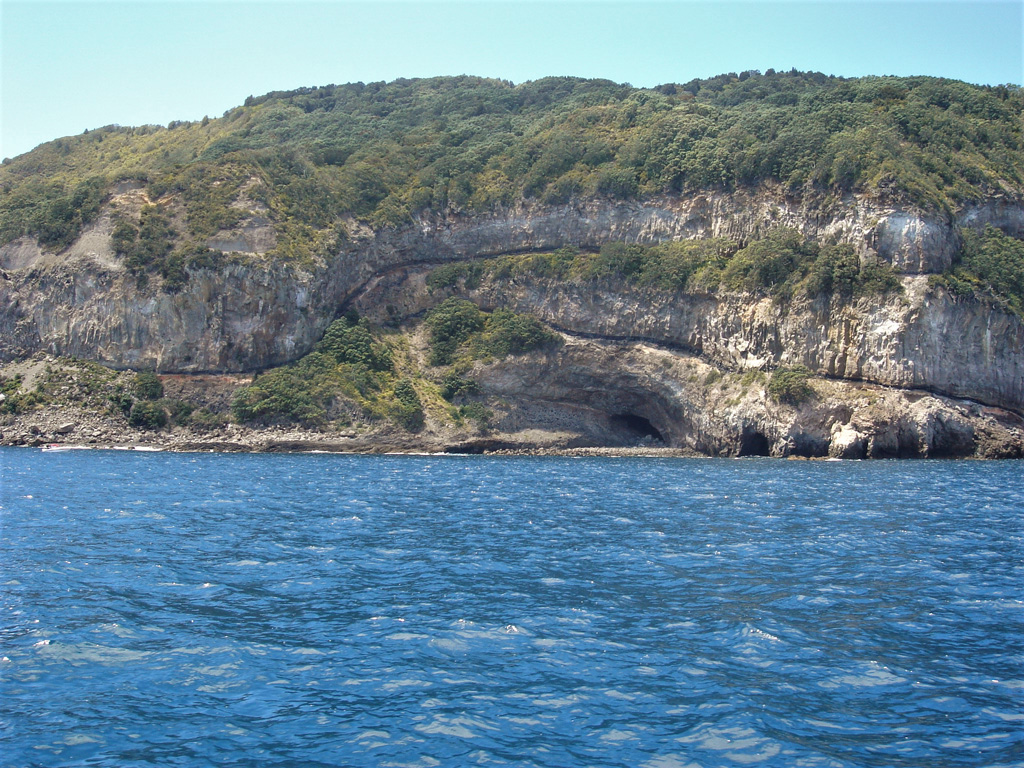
<point>69,66</point>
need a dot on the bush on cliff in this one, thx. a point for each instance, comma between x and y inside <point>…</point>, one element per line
<point>790,385</point>
<point>450,324</point>
<point>458,324</point>
<point>147,386</point>
<point>147,414</point>
<point>351,370</point>
<point>507,333</point>
<point>350,340</point>
<point>454,385</point>
<point>991,263</point>
<point>782,264</point>
<point>407,410</point>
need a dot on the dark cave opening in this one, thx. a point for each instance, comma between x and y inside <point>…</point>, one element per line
<point>753,443</point>
<point>636,426</point>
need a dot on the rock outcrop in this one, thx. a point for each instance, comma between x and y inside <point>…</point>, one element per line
<point>617,393</point>
<point>253,312</point>
<point>921,339</point>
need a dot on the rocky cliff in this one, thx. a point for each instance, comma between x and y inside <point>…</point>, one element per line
<point>638,364</point>
<point>251,312</point>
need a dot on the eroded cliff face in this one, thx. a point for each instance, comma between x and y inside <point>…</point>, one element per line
<point>921,339</point>
<point>624,393</point>
<point>253,312</point>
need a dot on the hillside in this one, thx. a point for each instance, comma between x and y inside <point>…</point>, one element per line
<point>767,263</point>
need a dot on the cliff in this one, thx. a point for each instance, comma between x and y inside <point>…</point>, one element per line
<point>252,313</point>
<point>233,263</point>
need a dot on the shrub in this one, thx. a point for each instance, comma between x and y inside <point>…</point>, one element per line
<point>408,410</point>
<point>205,420</point>
<point>279,394</point>
<point>478,413</point>
<point>994,262</point>
<point>449,275</point>
<point>350,340</point>
<point>451,323</point>
<point>835,271</point>
<point>877,278</point>
<point>147,414</point>
<point>179,411</point>
<point>153,242</point>
<point>10,389</point>
<point>147,386</point>
<point>349,368</point>
<point>790,385</point>
<point>771,263</point>
<point>123,400</point>
<point>712,377</point>
<point>453,385</point>
<point>507,333</point>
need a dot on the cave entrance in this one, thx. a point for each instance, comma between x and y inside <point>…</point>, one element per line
<point>636,427</point>
<point>753,443</point>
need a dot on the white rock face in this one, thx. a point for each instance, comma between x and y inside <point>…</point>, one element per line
<point>919,340</point>
<point>587,385</point>
<point>253,313</point>
<point>847,442</point>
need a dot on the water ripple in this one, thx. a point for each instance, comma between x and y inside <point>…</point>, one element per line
<point>334,610</point>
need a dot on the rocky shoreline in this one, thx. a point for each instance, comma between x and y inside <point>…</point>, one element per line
<point>58,429</point>
<point>68,427</point>
<point>560,402</point>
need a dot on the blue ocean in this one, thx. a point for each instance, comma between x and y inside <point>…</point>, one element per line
<point>325,610</point>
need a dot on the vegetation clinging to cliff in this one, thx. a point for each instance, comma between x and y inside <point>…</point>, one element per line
<point>385,151</point>
<point>783,264</point>
<point>459,328</point>
<point>990,264</point>
<point>354,374</point>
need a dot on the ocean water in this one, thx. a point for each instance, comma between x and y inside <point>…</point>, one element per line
<point>314,610</point>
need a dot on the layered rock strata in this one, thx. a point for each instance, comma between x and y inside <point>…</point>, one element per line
<point>253,312</point>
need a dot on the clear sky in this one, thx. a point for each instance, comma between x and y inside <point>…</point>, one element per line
<point>69,66</point>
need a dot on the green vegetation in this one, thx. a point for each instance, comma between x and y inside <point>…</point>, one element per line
<point>783,264</point>
<point>351,341</point>
<point>146,414</point>
<point>407,409</point>
<point>790,385</point>
<point>991,264</point>
<point>454,385</point>
<point>348,372</point>
<point>85,383</point>
<point>384,152</point>
<point>451,324</point>
<point>453,273</point>
<point>148,386</point>
<point>139,398</point>
<point>356,373</point>
<point>458,328</point>
<point>17,401</point>
<point>475,411</point>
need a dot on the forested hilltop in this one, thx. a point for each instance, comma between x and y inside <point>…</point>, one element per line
<point>384,152</point>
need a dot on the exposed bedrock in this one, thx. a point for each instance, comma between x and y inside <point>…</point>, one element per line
<point>253,313</point>
<point>616,393</point>
<point>237,318</point>
<point>911,241</point>
<point>922,339</point>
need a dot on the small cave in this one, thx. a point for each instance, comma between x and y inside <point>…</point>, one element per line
<point>635,428</point>
<point>753,443</point>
